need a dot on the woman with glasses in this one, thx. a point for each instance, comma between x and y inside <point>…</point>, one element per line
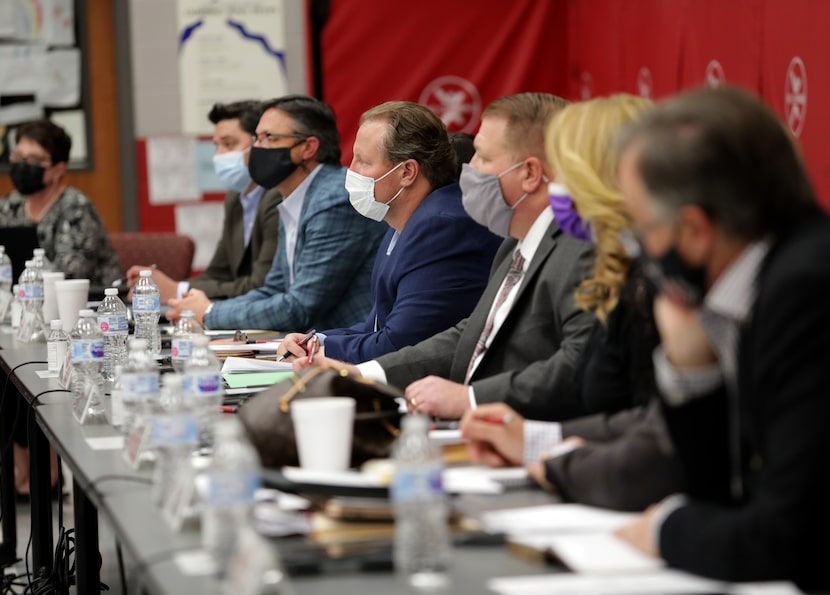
<point>68,226</point>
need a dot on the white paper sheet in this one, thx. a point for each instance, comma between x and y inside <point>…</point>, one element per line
<point>478,479</point>
<point>228,49</point>
<point>249,364</point>
<point>663,582</point>
<point>170,169</point>
<point>552,518</point>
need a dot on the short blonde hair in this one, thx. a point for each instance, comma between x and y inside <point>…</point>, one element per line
<point>581,150</point>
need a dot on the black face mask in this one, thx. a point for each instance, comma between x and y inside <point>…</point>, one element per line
<point>27,178</point>
<point>679,281</point>
<point>269,167</point>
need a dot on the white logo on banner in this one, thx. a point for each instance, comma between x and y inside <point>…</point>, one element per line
<point>795,95</point>
<point>644,82</point>
<point>455,100</point>
<point>715,76</point>
<point>586,86</point>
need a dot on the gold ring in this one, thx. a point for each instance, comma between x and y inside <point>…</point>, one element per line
<point>413,402</point>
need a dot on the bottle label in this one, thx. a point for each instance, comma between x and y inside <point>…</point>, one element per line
<point>5,273</point>
<point>207,383</point>
<point>232,488</point>
<point>417,482</point>
<point>146,303</point>
<point>135,388</point>
<point>182,347</point>
<point>114,324</point>
<point>31,291</point>
<point>175,430</point>
<point>87,350</point>
<point>55,354</point>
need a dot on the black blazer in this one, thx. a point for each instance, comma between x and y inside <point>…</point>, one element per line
<point>779,528</point>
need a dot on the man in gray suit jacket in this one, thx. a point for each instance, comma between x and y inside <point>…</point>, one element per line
<point>243,256</point>
<point>522,340</point>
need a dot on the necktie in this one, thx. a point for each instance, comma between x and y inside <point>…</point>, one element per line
<point>514,274</point>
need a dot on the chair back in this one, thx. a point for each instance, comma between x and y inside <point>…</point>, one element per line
<point>172,253</point>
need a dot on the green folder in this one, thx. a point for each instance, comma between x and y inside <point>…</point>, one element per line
<point>251,379</point>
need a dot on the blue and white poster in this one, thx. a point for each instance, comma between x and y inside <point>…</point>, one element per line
<point>228,50</point>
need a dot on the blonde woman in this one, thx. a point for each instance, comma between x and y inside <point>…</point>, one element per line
<point>618,458</point>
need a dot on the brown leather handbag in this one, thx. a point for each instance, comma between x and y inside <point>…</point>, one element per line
<point>267,415</point>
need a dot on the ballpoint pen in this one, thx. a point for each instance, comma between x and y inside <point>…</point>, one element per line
<point>301,343</point>
<point>498,419</point>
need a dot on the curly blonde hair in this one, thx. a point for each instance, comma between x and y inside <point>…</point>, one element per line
<point>580,145</point>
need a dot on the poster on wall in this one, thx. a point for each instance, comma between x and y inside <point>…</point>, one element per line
<point>228,50</point>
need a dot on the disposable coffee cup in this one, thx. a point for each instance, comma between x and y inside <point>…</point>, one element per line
<point>323,428</point>
<point>72,296</point>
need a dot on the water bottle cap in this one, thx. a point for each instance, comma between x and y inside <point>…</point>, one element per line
<point>138,344</point>
<point>39,252</point>
<point>29,263</point>
<point>55,325</point>
<point>187,313</point>
<point>86,313</point>
<point>145,273</point>
<point>111,291</point>
<point>415,422</point>
<point>200,340</point>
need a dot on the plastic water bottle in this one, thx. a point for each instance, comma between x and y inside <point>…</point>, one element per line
<point>175,435</point>
<point>182,344</point>
<point>112,319</point>
<point>56,344</point>
<point>87,344</point>
<point>139,384</point>
<point>16,308</point>
<point>422,539</point>
<point>146,311</point>
<point>6,280</point>
<point>232,479</point>
<point>203,384</point>
<point>40,260</point>
<point>30,284</point>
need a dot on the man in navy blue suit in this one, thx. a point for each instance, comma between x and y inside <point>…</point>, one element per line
<point>434,261</point>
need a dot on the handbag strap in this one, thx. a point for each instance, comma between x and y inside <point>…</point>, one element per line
<point>300,383</point>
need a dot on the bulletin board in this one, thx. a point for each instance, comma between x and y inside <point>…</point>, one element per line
<point>44,73</point>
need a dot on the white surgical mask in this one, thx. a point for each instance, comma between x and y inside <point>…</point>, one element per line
<point>232,170</point>
<point>361,191</point>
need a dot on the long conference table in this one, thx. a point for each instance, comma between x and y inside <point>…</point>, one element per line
<point>104,484</point>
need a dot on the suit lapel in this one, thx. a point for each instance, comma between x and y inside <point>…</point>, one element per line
<point>237,233</point>
<point>543,251</point>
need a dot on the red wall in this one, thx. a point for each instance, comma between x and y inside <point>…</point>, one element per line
<point>374,51</point>
<point>458,55</point>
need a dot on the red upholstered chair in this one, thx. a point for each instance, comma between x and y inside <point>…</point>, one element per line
<point>170,252</point>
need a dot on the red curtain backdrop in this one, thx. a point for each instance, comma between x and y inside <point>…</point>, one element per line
<point>454,56</point>
<point>457,56</point>
<point>795,80</point>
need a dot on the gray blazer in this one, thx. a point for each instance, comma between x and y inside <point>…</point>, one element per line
<point>530,363</point>
<point>236,269</point>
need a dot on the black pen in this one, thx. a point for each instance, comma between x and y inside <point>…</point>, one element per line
<point>302,342</point>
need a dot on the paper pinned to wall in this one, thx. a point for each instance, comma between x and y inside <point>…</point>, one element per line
<point>74,122</point>
<point>203,223</point>
<point>47,22</point>
<point>20,112</point>
<point>228,50</point>
<point>62,82</point>
<point>172,177</point>
<point>205,172</point>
